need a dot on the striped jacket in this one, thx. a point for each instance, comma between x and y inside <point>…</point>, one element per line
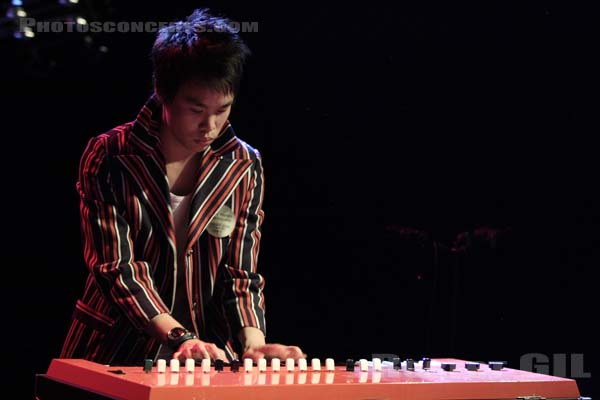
<point>130,248</point>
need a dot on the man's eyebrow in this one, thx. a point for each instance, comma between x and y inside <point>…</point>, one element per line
<point>198,103</point>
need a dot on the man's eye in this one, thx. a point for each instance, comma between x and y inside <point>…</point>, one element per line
<point>196,111</point>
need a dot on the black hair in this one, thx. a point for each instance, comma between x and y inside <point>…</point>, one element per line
<point>203,48</point>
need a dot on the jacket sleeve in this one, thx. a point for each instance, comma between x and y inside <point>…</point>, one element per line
<point>107,245</point>
<point>244,300</point>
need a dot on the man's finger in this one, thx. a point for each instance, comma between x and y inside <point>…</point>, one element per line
<point>295,352</point>
<point>255,355</point>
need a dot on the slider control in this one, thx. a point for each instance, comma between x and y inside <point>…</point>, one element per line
<point>448,366</point>
<point>496,365</point>
<point>349,364</point>
<point>426,363</point>
<point>472,366</point>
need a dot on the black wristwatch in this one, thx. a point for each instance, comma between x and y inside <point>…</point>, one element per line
<point>178,335</point>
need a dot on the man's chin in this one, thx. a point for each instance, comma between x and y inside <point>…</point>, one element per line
<point>200,145</point>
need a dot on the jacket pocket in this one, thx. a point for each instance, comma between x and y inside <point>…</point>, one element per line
<point>92,318</point>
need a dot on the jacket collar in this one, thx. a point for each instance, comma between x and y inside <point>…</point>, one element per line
<point>146,170</point>
<point>146,127</point>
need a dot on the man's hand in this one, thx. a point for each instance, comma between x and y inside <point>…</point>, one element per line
<point>274,350</point>
<point>198,350</point>
<point>253,342</point>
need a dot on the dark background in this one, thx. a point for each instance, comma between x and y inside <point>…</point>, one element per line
<point>430,169</point>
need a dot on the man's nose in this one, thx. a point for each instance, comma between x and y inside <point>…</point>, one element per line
<point>209,123</point>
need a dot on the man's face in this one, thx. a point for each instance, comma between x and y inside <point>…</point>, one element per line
<point>195,117</point>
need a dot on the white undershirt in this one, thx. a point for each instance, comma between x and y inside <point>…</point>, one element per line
<point>181,216</point>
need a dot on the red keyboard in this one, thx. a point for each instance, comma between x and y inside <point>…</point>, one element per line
<point>74,378</point>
